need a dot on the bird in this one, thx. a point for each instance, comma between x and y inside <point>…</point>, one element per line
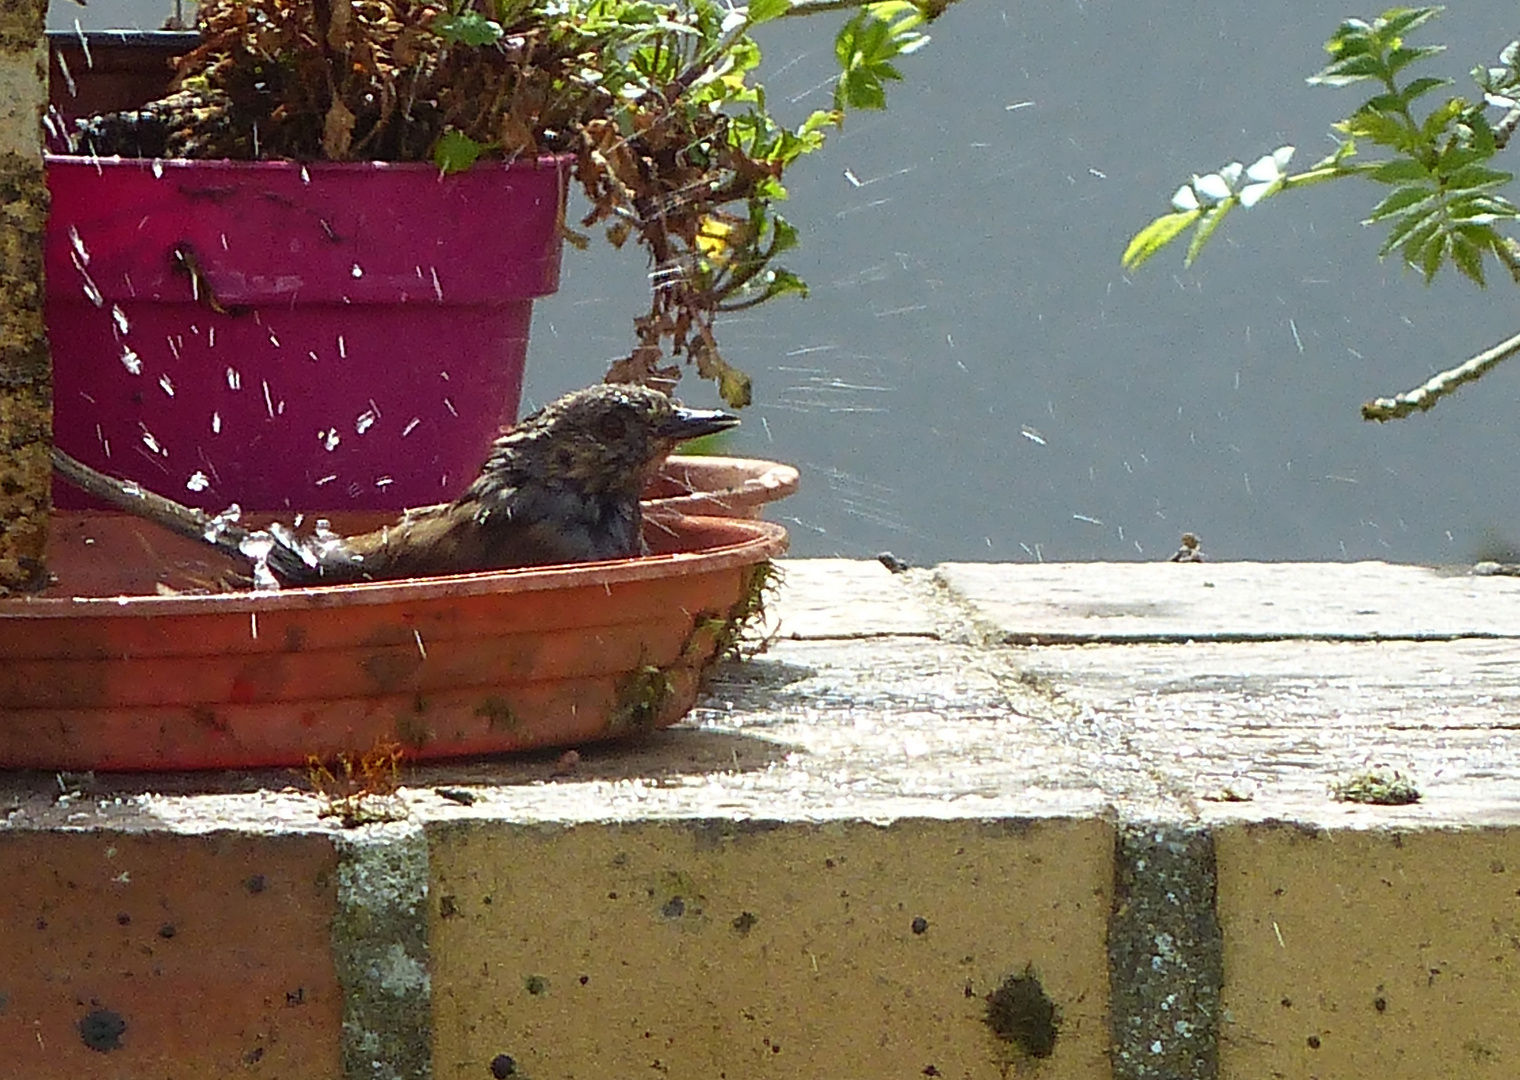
<point>561,486</point>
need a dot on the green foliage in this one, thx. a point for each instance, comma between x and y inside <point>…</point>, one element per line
<point>455,151</point>
<point>1444,205</point>
<point>866,47</point>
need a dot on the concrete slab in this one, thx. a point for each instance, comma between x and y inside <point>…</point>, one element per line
<point>1277,724</point>
<point>845,598</point>
<point>1086,602</point>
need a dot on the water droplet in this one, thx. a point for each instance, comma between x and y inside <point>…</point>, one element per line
<point>449,405</point>
<point>150,441</point>
<point>234,380</point>
<point>356,272</point>
<point>198,481</point>
<point>131,361</point>
<point>330,439</point>
<point>326,480</point>
<point>305,176</point>
<point>84,256</point>
<point>384,481</point>
<point>268,400</point>
<point>158,169</point>
<point>364,421</point>
<point>216,423</point>
<point>342,348</point>
<point>410,426</point>
<point>122,326</point>
<point>166,385</point>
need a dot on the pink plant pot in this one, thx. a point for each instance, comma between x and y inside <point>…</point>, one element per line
<point>352,335</point>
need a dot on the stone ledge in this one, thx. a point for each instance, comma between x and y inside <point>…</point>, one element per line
<point>912,814</point>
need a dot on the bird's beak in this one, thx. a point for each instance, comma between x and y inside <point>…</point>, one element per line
<point>694,423</point>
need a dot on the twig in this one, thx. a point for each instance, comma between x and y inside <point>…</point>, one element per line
<point>932,10</point>
<point>1425,396</point>
<point>184,520</point>
<point>1506,127</point>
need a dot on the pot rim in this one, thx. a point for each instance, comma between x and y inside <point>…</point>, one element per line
<point>539,161</point>
<point>749,542</point>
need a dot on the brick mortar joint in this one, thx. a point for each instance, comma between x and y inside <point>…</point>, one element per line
<point>380,951</point>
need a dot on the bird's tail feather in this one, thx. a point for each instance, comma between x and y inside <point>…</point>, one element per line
<point>187,521</point>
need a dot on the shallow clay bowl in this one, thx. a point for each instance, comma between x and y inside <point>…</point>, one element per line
<point>118,666</point>
<point>720,486</point>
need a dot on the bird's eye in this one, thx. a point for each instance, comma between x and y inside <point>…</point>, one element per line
<point>611,428</point>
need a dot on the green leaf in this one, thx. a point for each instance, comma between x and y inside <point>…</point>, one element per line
<point>1399,21</point>
<point>1386,129</point>
<point>761,11</point>
<point>1411,225</point>
<point>1399,171</point>
<point>1403,199</point>
<point>1431,255</point>
<point>1351,69</point>
<point>783,236</point>
<point>1156,236</point>
<point>1472,177</point>
<point>1441,116</point>
<point>1414,239</point>
<point>1401,58</point>
<point>1351,36</point>
<point>784,283</point>
<point>1420,87</point>
<point>1482,134</point>
<point>818,120</point>
<point>860,90</point>
<point>468,28</point>
<point>455,151</point>
<point>1468,258</point>
<point>1211,221</point>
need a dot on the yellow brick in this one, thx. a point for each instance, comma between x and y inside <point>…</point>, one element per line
<point>1369,954</point>
<point>737,951</point>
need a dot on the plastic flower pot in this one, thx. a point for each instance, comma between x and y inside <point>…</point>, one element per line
<point>106,70</point>
<point>282,335</point>
<point>110,669</point>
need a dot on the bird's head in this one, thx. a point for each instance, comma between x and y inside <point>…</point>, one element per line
<point>606,437</point>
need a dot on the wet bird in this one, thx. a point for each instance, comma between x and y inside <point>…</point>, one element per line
<point>561,486</point>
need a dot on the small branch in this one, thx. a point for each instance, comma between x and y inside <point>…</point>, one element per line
<point>932,9</point>
<point>1424,397</point>
<point>1506,127</point>
<point>183,520</point>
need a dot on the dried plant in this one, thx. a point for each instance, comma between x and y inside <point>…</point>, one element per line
<point>672,142</point>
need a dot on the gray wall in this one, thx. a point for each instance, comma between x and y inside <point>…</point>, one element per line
<point>969,288</point>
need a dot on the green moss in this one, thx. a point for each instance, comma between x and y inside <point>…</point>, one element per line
<point>412,727</point>
<point>641,697</point>
<point>1379,787</point>
<point>498,714</point>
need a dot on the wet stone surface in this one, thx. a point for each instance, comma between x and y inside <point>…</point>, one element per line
<point>886,695</point>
